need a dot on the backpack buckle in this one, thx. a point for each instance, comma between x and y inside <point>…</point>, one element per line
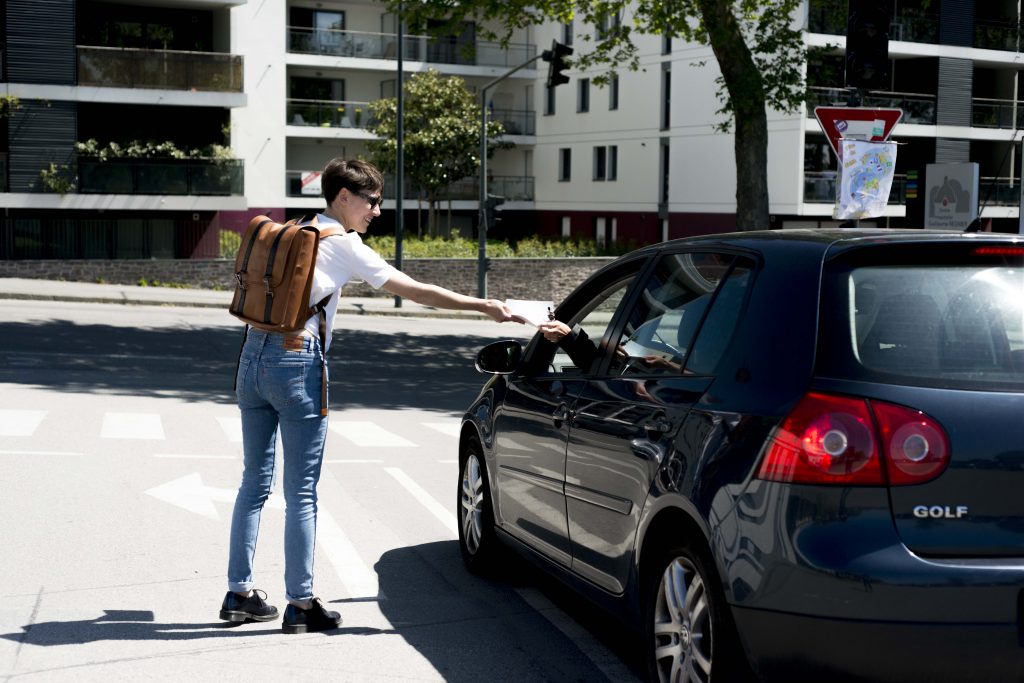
<point>270,292</point>
<point>240,281</point>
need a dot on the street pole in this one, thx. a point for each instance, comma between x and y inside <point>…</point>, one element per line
<point>481,269</point>
<point>399,157</point>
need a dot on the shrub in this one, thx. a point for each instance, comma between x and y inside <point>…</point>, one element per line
<point>230,241</point>
<point>461,247</point>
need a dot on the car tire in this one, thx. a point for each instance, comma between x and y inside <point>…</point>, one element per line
<point>688,631</point>
<point>478,542</point>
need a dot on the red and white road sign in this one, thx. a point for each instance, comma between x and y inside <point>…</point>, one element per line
<point>863,123</point>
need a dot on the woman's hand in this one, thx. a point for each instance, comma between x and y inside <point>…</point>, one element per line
<point>554,330</point>
<point>498,311</point>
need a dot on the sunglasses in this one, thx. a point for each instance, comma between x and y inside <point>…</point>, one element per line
<point>373,200</point>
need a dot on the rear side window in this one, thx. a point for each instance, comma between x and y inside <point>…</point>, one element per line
<point>955,322</point>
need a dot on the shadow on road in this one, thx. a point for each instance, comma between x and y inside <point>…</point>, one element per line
<point>141,625</point>
<point>368,369</point>
<point>464,624</point>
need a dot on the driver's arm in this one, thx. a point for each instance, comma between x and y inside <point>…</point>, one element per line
<point>574,340</point>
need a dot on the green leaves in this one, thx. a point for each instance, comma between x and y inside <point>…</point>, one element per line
<point>441,133</point>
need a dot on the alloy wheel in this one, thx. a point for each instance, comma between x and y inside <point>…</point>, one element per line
<point>682,625</point>
<point>471,511</point>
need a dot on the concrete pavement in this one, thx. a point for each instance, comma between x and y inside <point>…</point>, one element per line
<point>52,290</point>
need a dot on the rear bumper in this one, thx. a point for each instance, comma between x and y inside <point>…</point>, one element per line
<point>792,647</point>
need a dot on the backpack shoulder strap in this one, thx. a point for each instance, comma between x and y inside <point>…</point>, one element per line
<point>329,232</point>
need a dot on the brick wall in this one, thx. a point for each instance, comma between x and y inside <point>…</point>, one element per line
<point>509,278</point>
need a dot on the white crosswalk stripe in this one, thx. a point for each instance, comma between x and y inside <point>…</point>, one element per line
<point>20,422</point>
<point>369,434</point>
<point>232,427</point>
<point>132,426</point>
<point>450,428</point>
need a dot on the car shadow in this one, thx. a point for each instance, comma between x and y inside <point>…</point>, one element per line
<point>368,369</point>
<point>513,626</point>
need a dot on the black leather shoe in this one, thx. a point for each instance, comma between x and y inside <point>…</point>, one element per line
<point>316,618</point>
<point>236,608</point>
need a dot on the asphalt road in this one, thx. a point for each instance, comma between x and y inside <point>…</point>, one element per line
<point>119,456</point>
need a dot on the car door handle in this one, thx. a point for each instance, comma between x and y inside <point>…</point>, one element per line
<point>658,424</point>
<point>561,414</point>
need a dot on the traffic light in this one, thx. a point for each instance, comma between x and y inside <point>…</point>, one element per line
<point>492,202</point>
<point>867,44</point>
<point>557,63</point>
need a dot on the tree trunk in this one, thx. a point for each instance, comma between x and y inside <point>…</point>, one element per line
<point>746,92</point>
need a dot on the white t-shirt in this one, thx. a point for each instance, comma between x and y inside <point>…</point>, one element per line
<point>341,258</point>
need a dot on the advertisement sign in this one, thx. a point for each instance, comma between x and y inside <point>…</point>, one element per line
<point>865,179</point>
<point>951,195</point>
<point>310,183</point>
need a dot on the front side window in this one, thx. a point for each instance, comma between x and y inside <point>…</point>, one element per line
<point>661,328</point>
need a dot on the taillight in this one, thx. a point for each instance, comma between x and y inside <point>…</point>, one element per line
<point>916,446</point>
<point>828,439</point>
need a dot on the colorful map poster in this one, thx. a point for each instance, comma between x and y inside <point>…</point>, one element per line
<point>865,179</point>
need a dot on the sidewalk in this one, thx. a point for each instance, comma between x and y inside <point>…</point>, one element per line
<point>87,292</point>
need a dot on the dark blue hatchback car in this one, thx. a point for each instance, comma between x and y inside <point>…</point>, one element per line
<point>790,455</point>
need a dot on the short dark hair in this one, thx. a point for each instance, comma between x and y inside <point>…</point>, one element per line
<point>355,174</point>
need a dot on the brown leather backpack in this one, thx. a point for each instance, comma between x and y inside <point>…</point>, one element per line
<point>273,279</point>
<point>274,274</point>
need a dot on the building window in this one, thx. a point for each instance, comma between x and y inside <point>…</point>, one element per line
<point>666,45</point>
<point>666,97</point>
<point>606,161</point>
<point>566,226</point>
<point>567,33</point>
<point>606,25</point>
<point>549,101</point>
<point>565,164</point>
<point>613,93</point>
<point>663,193</point>
<point>583,95</point>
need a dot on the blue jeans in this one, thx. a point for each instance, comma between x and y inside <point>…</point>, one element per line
<point>278,385</point>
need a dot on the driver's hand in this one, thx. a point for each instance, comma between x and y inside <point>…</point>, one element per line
<point>554,330</point>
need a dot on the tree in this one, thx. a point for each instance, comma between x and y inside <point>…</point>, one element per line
<point>441,135</point>
<point>760,54</point>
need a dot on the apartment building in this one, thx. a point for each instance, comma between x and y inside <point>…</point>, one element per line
<point>81,70</point>
<point>312,68</point>
<point>287,85</point>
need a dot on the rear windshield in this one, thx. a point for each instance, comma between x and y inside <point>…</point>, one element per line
<point>935,316</point>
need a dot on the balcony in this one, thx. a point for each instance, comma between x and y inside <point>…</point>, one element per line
<point>193,177</point>
<point>911,25</point>
<point>997,35</point>
<point>990,113</point>
<point>329,114</point>
<point>513,188</point>
<point>516,122</point>
<point>364,45</point>
<point>820,188</point>
<point>919,109</point>
<point>114,67</point>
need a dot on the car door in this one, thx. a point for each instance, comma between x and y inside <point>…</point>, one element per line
<point>532,424</point>
<point>627,415</point>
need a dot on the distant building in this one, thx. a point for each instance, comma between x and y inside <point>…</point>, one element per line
<point>287,86</point>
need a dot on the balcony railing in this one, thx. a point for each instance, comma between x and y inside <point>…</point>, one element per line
<point>415,48</point>
<point>820,188</point>
<point>829,17</point>
<point>997,35</point>
<point>513,188</point>
<point>918,109</point>
<point>990,113</point>
<point>116,67</point>
<point>329,113</point>
<point>3,172</point>
<point>516,122</point>
<point>161,176</point>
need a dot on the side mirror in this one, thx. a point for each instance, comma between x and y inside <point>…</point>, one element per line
<point>499,358</point>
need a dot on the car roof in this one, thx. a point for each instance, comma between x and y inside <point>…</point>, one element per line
<point>834,238</point>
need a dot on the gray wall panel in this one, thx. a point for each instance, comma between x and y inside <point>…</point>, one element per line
<point>954,97</point>
<point>40,133</point>
<point>41,41</point>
